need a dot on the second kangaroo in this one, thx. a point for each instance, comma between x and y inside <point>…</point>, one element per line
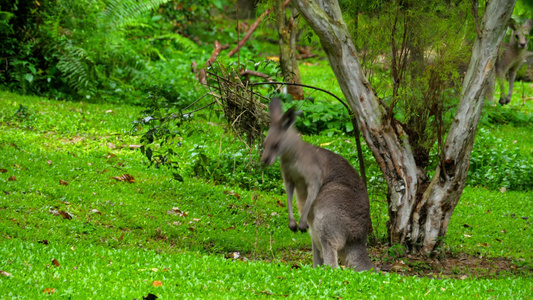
<point>510,60</point>
<point>331,197</point>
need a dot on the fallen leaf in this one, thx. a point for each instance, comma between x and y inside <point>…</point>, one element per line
<point>232,193</point>
<point>17,166</point>
<point>133,147</point>
<point>110,155</point>
<point>111,145</point>
<point>12,178</point>
<point>3,171</point>
<point>108,111</point>
<point>503,189</point>
<point>280,204</point>
<point>49,291</point>
<point>463,277</point>
<point>125,177</point>
<point>176,211</point>
<point>191,229</point>
<point>274,214</point>
<point>6,192</point>
<point>96,211</point>
<point>49,162</point>
<point>44,242</point>
<point>398,266</point>
<point>5,274</point>
<point>62,213</point>
<point>63,182</point>
<point>232,255</point>
<point>157,283</point>
<point>121,237</point>
<point>55,262</point>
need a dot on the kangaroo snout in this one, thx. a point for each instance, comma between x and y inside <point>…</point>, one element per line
<point>267,160</point>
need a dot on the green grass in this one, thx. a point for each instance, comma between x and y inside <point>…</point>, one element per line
<point>123,236</point>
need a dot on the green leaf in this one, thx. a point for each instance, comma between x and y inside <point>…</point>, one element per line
<point>29,77</point>
<point>177,177</point>
<point>218,4</point>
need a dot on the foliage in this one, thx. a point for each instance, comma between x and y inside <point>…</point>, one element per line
<point>165,131</point>
<point>512,115</point>
<point>496,164</point>
<point>323,117</point>
<point>412,54</point>
<point>97,49</point>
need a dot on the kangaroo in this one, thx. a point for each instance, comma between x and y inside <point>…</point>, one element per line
<point>512,57</point>
<point>331,197</point>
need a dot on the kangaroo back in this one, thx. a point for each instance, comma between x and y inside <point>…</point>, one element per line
<point>331,197</point>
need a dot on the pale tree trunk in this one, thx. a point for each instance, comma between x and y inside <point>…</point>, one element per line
<point>419,209</point>
<point>287,30</point>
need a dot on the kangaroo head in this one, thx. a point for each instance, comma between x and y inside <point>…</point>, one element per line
<point>521,33</point>
<point>281,136</point>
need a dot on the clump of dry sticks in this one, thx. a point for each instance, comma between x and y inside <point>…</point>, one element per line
<point>246,115</point>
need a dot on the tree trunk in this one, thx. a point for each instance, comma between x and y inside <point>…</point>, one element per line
<point>287,30</point>
<point>419,209</point>
<point>246,9</point>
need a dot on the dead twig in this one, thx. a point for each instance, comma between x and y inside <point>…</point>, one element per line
<point>218,47</point>
<point>251,30</point>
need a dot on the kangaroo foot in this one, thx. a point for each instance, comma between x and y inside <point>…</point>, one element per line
<point>293,226</point>
<point>303,226</point>
<point>504,101</point>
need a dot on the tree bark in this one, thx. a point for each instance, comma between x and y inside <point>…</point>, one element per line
<point>419,209</point>
<point>287,30</point>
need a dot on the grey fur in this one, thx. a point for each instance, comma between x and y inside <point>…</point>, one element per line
<point>513,55</point>
<point>331,197</point>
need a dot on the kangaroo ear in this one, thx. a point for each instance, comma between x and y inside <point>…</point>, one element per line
<point>289,117</point>
<point>527,26</point>
<point>275,109</point>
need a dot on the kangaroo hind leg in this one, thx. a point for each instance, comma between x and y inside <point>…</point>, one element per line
<point>354,255</point>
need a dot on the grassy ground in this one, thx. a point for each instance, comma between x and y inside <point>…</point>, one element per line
<point>69,229</point>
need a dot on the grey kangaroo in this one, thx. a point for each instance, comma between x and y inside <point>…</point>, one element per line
<point>331,197</point>
<point>512,56</point>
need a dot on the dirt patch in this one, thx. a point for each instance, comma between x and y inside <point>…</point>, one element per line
<point>447,265</point>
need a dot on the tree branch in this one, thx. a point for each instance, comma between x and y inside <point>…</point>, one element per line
<point>251,30</point>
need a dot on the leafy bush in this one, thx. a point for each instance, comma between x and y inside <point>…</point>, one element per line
<point>323,117</point>
<point>508,115</point>
<point>494,164</point>
<point>112,50</point>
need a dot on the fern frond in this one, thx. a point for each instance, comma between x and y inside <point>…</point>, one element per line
<point>121,13</point>
<point>184,42</point>
<point>74,65</point>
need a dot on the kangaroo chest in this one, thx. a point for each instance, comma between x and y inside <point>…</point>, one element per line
<point>301,176</point>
